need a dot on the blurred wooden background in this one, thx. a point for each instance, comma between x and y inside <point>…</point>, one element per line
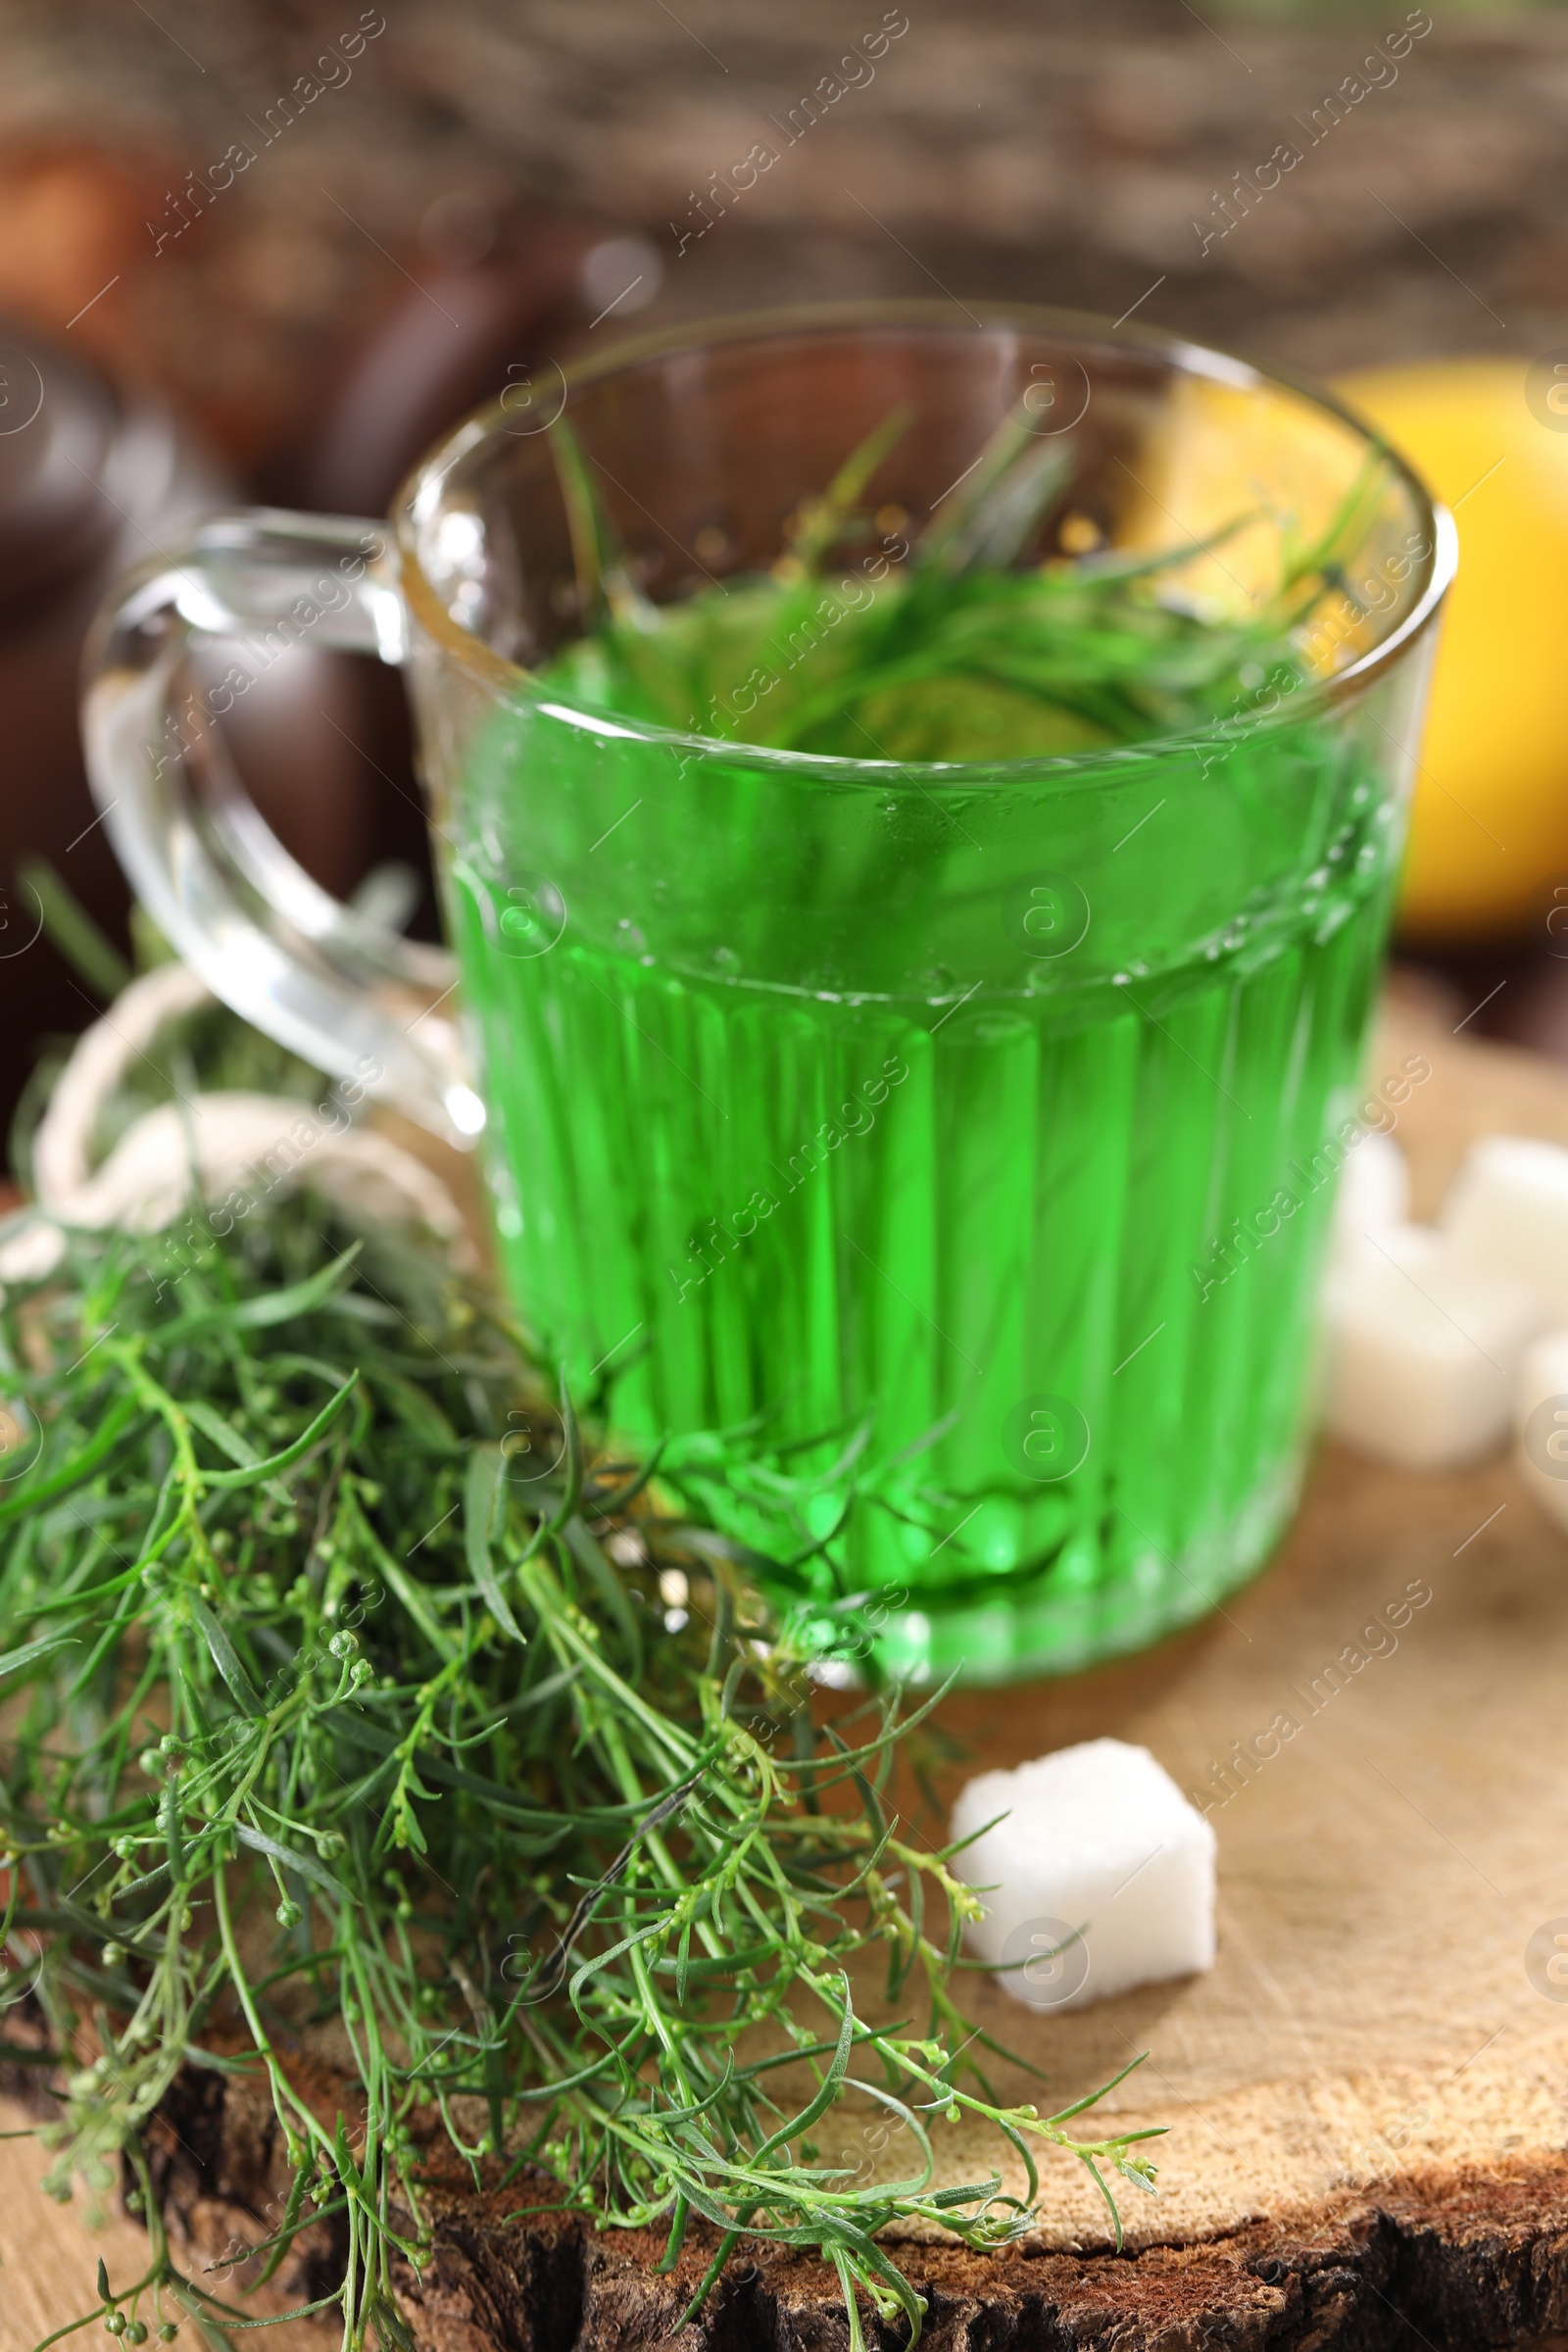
<point>1026,151</point>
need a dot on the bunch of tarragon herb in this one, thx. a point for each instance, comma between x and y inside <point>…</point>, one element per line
<point>340,1680</point>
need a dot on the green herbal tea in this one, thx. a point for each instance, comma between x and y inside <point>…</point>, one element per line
<point>946,1128</point>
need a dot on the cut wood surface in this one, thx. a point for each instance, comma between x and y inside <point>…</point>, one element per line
<point>1368,2096</point>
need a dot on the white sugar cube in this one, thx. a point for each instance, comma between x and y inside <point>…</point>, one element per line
<point>1540,1418</point>
<point>1373,1194</point>
<point>1423,1351</point>
<point>1102,1876</point>
<point>1507,1215</point>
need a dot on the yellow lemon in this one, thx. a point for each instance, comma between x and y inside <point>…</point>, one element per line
<point>1489,823</point>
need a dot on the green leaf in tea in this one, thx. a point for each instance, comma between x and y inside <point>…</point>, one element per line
<point>967,649</point>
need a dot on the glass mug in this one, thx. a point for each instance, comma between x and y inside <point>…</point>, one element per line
<point>976,1122</point>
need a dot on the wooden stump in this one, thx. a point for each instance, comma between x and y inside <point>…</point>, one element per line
<point>1461,2256</point>
<point>1368,2096</point>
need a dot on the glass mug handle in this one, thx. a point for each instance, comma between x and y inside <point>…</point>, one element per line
<point>324,980</point>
